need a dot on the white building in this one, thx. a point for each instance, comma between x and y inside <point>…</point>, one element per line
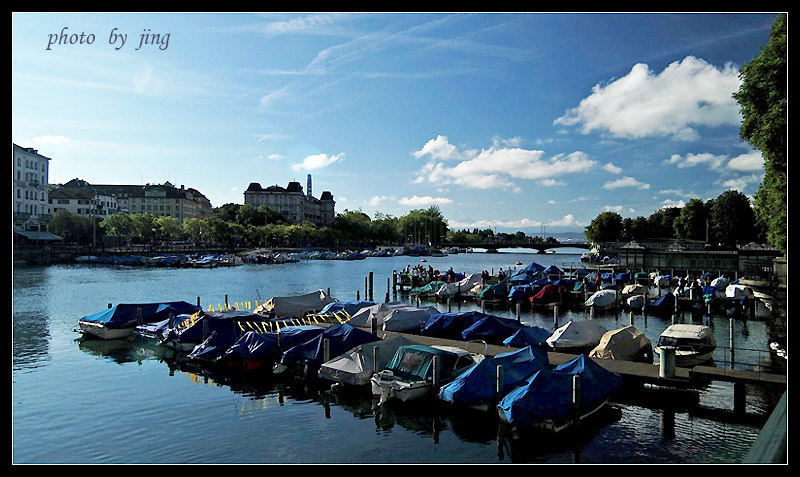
<point>291,202</point>
<point>84,202</point>
<point>29,189</point>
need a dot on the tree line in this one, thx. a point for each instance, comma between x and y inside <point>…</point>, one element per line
<point>728,220</point>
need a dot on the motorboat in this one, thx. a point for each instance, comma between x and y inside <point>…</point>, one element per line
<point>410,373</point>
<point>627,343</point>
<point>119,321</point>
<point>577,336</point>
<point>694,344</point>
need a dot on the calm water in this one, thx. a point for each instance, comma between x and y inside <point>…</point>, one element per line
<point>77,401</point>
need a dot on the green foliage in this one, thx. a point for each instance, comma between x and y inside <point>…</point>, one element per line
<point>763,99</point>
<point>732,219</point>
<point>691,222</point>
<point>73,228</point>
<point>423,225</point>
<point>606,227</point>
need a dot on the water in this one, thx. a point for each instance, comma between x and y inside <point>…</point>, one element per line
<point>77,401</point>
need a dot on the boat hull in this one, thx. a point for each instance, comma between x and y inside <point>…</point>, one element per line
<point>101,331</point>
<point>556,425</point>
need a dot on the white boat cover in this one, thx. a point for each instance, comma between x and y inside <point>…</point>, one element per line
<point>602,298</point>
<point>661,280</point>
<point>690,332</point>
<point>720,283</point>
<point>634,289</point>
<point>364,316</point>
<point>738,291</point>
<point>577,334</point>
<point>357,366</point>
<point>461,286</point>
<point>407,319</point>
<point>285,306</point>
<point>626,343</point>
<point>636,301</point>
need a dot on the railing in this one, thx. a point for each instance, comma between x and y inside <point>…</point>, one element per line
<point>763,364</point>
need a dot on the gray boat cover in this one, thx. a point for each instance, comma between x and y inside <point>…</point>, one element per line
<point>627,343</point>
<point>357,366</point>
<point>577,334</point>
<point>285,306</point>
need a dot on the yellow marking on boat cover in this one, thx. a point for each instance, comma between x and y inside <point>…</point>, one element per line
<point>240,325</point>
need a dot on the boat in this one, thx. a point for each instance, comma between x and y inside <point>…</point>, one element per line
<point>306,358</point>
<point>627,343</point>
<point>602,299</point>
<point>477,386</point>
<point>460,287</point>
<point>577,336</point>
<point>450,325</point>
<point>695,344</point>
<point>545,400</point>
<point>394,316</point>
<point>120,320</point>
<point>357,366</point>
<point>300,305</point>
<point>409,374</point>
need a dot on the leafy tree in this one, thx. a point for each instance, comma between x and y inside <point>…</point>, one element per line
<point>424,225</point>
<point>662,222</point>
<point>73,228</point>
<point>606,227</point>
<point>732,219</point>
<point>118,224</point>
<point>691,223</point>
<point>167,227</point>
<point>144,226</point>
<point>762,96</point>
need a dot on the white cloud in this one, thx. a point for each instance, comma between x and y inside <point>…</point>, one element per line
<point>740,183</point>
<point>672,203</point>
<point>625,182</point>
<point>551,183</point>
<point>551,201</point>
<point>612,208</point>
<point>483,224</point>
<point>317,161</point>
<point>377,199</point>
<point>691,160</point>
<point>687,94</point>
<point>752,161</point>
<point>566,221</point>
<point>494,167</point>
<point>427,200</point>
<point>54,140</point>
<point>610,167</point>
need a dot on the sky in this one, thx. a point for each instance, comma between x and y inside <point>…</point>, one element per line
<point>519,121</point>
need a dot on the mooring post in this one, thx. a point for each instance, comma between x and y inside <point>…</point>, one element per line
<point>591,312</point>
<point>499,380</point>
<point>555,317</point>
<point>370,286</point>
<point>731,340</point>
<point>358,295</point>
<point>435,372</point>
<point>375,356</point>
<point>226,302</point>
<point>326,349</point>
<point>205,329</point>
<point>198,302</point>
<point>329,291</point>
<point>449,307</point>
<point>374,325</point>
<point>519,312</point>
<point>576,397</point>
<point>631,317</point>
<point>139,316</point>
<point>366,288</point>
<point>388,289</point>
<point>483,306</point>
<point>171,321</point>
<point>394,282</point>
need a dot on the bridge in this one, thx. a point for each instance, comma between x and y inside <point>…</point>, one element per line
<point>541,247</point>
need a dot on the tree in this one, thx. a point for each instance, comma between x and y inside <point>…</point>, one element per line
<point>167,227</point>
<point>606,227</point>
<point>423,225</point>
<point>691,223</point>
<point>732,219</point>
<point>762,96</point>
<point>73,228</point>
<point>118,224</point>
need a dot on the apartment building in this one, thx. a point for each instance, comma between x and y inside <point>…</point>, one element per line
<point>30,188</point>
<point>291,202</point>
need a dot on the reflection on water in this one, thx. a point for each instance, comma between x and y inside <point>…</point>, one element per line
<point>160,408</point>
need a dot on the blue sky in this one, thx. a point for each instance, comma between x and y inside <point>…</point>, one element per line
<point>510,121</point>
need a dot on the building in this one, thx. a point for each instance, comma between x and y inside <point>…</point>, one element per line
<point>166,199</point>
<point>30,188</point>
<point>85,202</point>
<point>119,192</point>
<point>291,202</point>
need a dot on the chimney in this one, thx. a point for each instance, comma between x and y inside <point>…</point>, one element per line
<point>308,186</point>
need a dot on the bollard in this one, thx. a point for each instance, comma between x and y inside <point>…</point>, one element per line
<point>519,312</point>
<point>329,291</point>
<point>631,317</point>
<point>375,356</point>
<point>198,302</point>
<point>326,349</point>
<point>139,316</point>
<point>435,372</point>
<point>374,325</point>
<point>226,302</point>
<point>366,288</point>
<point>171,321</point>
<point>576,397</point>
<point>370,286</point>
<point>666,361</point>
<point>358,296</point>
<point>644,307</point>
<point>555,318</point>
<point>418,303</point>
<point>109,305</point>
<point>449,307</point>
<point>731,340</point>
<point>483,306</point>
<point>499,380</point>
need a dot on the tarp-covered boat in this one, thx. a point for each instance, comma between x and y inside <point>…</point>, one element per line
<point>284,306</point>
<point>459,287</point>
<point>602,299</point>
<point>477,386</point>
<point>663,306</point>
<point>120,320</point>
<point>526,275</point>
<point>577,336</point>
<point>340,338</point>
<point>380,312</point>
<point>450,325</point>
<point>547,295</point>
<point>544,401</point>
<point>409,374</point>
<point>429,289</point>
<point>695,343</point>
<point>627,343</point>
<point>356,366</point>
<point>491,329</point>
<point>528,336</point>
<point>738,291</point>
<point>349,307</point>
<point>494,292</point>
<point>408,319</point>
<point>188,333</point>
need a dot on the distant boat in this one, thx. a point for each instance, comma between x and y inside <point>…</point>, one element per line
<point>120,320</point>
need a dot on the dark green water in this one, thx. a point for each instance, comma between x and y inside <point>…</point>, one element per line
<point>77,401</point>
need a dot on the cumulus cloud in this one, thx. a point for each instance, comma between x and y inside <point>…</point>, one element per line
<point>551,183</point>
<point>377,199</point>
<point>691,160</point>
<point>752,161</point>
<point>610,167</point>
<point>740,183</point>
<point>672,203</point>
<point>625,182</point>
<point>566,221</point>
<point>427,200</point>
<point>612,208</point>
<point>317,161</point>
<point>494,167</point>
<point>483,224</point>
<point>687,94</point>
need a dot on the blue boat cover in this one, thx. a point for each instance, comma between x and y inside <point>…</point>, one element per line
<point>623,277</point>
<point>528,336</point>
<point>450,325</point>
<point>124,315</point>
<point>527,274</point>
<point>415,362</point>
<point>581,272</point>
<point>496,291</point>
<point>491,329</point>
<point>255,346</point>
<point>664,304</point>
<point>607,277</point>
<point>520,292</point>
<point>341,338</point>
<point>226,323</point>
<point>568,283</point>
<point>478,383</point>
<point>214,346</point>
<point>548,394</point>
<point>553,270</point>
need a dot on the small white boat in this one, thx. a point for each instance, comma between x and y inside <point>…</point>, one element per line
<point>694,344</point>
<point>409,374</point>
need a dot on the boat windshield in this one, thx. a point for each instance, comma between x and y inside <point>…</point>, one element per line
<point>682,343</point>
